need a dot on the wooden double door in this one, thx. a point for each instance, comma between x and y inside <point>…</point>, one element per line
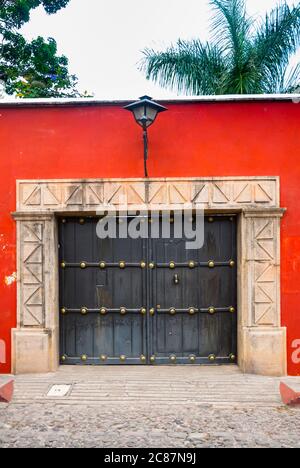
<point>147,301</point>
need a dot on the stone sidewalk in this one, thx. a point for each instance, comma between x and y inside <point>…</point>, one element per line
<point>150,407</point>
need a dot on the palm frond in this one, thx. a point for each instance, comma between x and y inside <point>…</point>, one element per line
<point>231,30</point>
<point>231,26</point>
<point>285,80</point>
<point>291,81</point>
<point>189,66</point>
<point>244,56</point>
<point>277,37</point>
<point>244,79</point>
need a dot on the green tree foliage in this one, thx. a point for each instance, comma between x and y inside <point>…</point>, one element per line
<point>244,56</point>
<point>32,69</point>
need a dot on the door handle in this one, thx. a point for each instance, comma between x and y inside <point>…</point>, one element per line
<point>176,279</point>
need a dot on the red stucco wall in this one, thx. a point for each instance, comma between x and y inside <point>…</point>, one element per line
<point>192,139</point>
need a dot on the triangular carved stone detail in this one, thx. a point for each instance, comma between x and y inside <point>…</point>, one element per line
<point>52,195</point>
<point>33,253</point>
<point>115,194</point>
<point>265,231</point>
<point>158,194</point>
<point>221,193</point>
<point>32,233</point>
<point>265,273</point>
<point>265,293</point>
<point>33,316</point>
<point>26,191</point>
<point>262,195</point>
<point>201,193</point>
<point>179,194</point>
<point>33,296</point>
<point>34,199</point>
<point>32,274</point>
<point>264,314</point>
<point>94,194</point>
<point>135,194</point>
<point>265,250</point>
<point>73,195</point>
<point>243,193</point>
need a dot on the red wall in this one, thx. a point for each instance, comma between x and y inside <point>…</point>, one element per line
<point>192,139</point>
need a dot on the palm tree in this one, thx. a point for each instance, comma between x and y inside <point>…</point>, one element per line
<point>244,55</point>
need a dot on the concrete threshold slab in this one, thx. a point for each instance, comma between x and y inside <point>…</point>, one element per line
<point>145,386</point>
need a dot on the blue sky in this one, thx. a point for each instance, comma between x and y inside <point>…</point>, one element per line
<point>103,39</point>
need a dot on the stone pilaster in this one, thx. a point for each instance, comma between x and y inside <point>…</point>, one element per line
<point>35,340</point>
<point>262,340</point>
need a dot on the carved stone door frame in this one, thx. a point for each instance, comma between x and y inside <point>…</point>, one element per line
<point>256,200</point>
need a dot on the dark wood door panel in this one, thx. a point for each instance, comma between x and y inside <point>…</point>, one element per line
<point>134,314</point>
<point>195,308</point>
<point>111,328</point>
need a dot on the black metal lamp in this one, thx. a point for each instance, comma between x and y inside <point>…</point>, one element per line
<point>145,112</point>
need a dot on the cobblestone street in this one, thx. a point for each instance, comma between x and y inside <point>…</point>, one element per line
<point>61,426</point>
<point>234,410</point>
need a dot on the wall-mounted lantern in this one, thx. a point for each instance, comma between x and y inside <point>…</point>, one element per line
<point>145,112</point>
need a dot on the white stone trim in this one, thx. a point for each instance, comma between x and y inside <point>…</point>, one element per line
<point>94,195</point>
<point>10,102</point>
<point>256,199</point>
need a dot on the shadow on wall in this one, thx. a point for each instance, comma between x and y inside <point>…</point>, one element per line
<point>2,352</point>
